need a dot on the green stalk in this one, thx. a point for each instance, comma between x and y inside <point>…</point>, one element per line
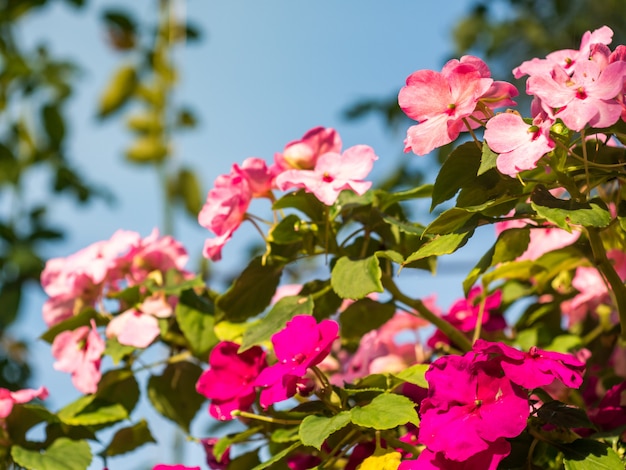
<point>456,336</point>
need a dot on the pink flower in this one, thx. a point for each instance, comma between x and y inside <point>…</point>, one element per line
<point>223,211</point>
<point>303,154</point>
<point>211,460</point>
<point>611,411</point>
<point>486,460</point>
<point>332,174</point>
<point>230,380</point>
<point>519,145</point>
<point>441,102</point>
<point>8,398</point>
<point>79,353</point>
<point>588,96</point>
<point>162,466</point>
<point>260,178</point>
<point>464,313</point>
<point>534,368</point>
<point>303,343</point>
<point>470,408</point>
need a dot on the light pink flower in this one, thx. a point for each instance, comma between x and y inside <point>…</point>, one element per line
<point>79,353</point>
<point>260,178</point>
<point>230,380</point>
<point>302,154</point>
<point>333,173</point>
<point>519,145</point>
<point>223,211</point>
<point>8,398</point>
<point>442,101</point>
<point>303,343</point>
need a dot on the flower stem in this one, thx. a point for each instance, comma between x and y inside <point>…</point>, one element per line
<point>267,419</point>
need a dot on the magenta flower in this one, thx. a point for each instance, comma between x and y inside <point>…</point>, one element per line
<point>223,211</point>
<point>303,343</point>
<point>519,145</point>
<point>470,408</point>
<point>536,367</point>
<point>8,398</point>
<point>162,466</point>
<point>211,460</point>
<point>464,313</point>
<point>611,411</point>
<point>442,101</point>
<point>332,174</point>
<point>79,353</point>
<point>302,154</point>
<point>486,460</point>
<point>230,380</point>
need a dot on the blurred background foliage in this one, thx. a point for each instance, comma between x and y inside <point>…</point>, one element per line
<point>34,126</point>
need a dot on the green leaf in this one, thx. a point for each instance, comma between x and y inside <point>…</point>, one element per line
<point>225,442</point>
<point>511,244</point>
<point>119,386</point>
<point>165,392</point>
<point>287,231</point>
<point>440,245</point>
<point>363,316</point>
<point>117,351</point>
<point>386,411</point>
<point>314,430</point>
<point>387,199</point>
<point>91,411</point>
<point>565,213</point>
<point>190,191</point>
<point>356,279</point>
<point>450,221</point>
<point>250,293</point>
<point>459,170</point>
<point>487,159</point>
<point>129,438</point>
<point>24,417</point>
<point>53,125</point>
<point>304,202</point>
<point>282,311</point>
<point>147,149</point>
<point>284,435</point>
<point>119,89</point>
<point>587,454</point>
<point>195,316</point>
<point>415,375</point>
<point>562,415</point>
<point>63,454</point>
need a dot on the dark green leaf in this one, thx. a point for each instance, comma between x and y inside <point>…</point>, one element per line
<point>250,293</point>
<point>441,245</point>
<point>119,386</point>
<point>195,316</point>
<point>286,231</point>
<point>304,202</point>
<point>278,457</point>
<point>562,415</point>
<point>129,438</point>
<point>459,169</point>
<point>363,316</point>
<point>565,213</point>
<point>165,392</point>
<point>82,319</point>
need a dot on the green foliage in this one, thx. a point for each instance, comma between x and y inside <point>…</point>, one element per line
<point>62,454</point>
<point>356,279</point>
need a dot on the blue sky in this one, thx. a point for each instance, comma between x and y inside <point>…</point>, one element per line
<point>265,73</point>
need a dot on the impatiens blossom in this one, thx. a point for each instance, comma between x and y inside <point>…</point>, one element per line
<point>332,174</point>
<point>260,178</point>
<point>444,102</point>
<point>79,353</point>
<point>229,382</point>
<point>470,409</point>
<point>302,344</point>
<point>536,367</point>
<point>485,460</point>
<point>223,211</point>
<point>173,467</point>
<point>611,411</point>
<point>302,154</point>
<point>519,145</point>
<point>8,398</point>
<point>464,314</point>
<point>211,459</point>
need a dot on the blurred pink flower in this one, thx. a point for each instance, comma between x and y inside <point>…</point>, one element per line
<point>229,382</point>
<point>8,398</point>
<point>79,353</point>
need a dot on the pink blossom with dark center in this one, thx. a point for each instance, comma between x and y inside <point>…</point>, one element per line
<point>534,368</point>
<point>230,380</point>
<point>332,174</point>
<point>470,408</point>
<point>302,344</point>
